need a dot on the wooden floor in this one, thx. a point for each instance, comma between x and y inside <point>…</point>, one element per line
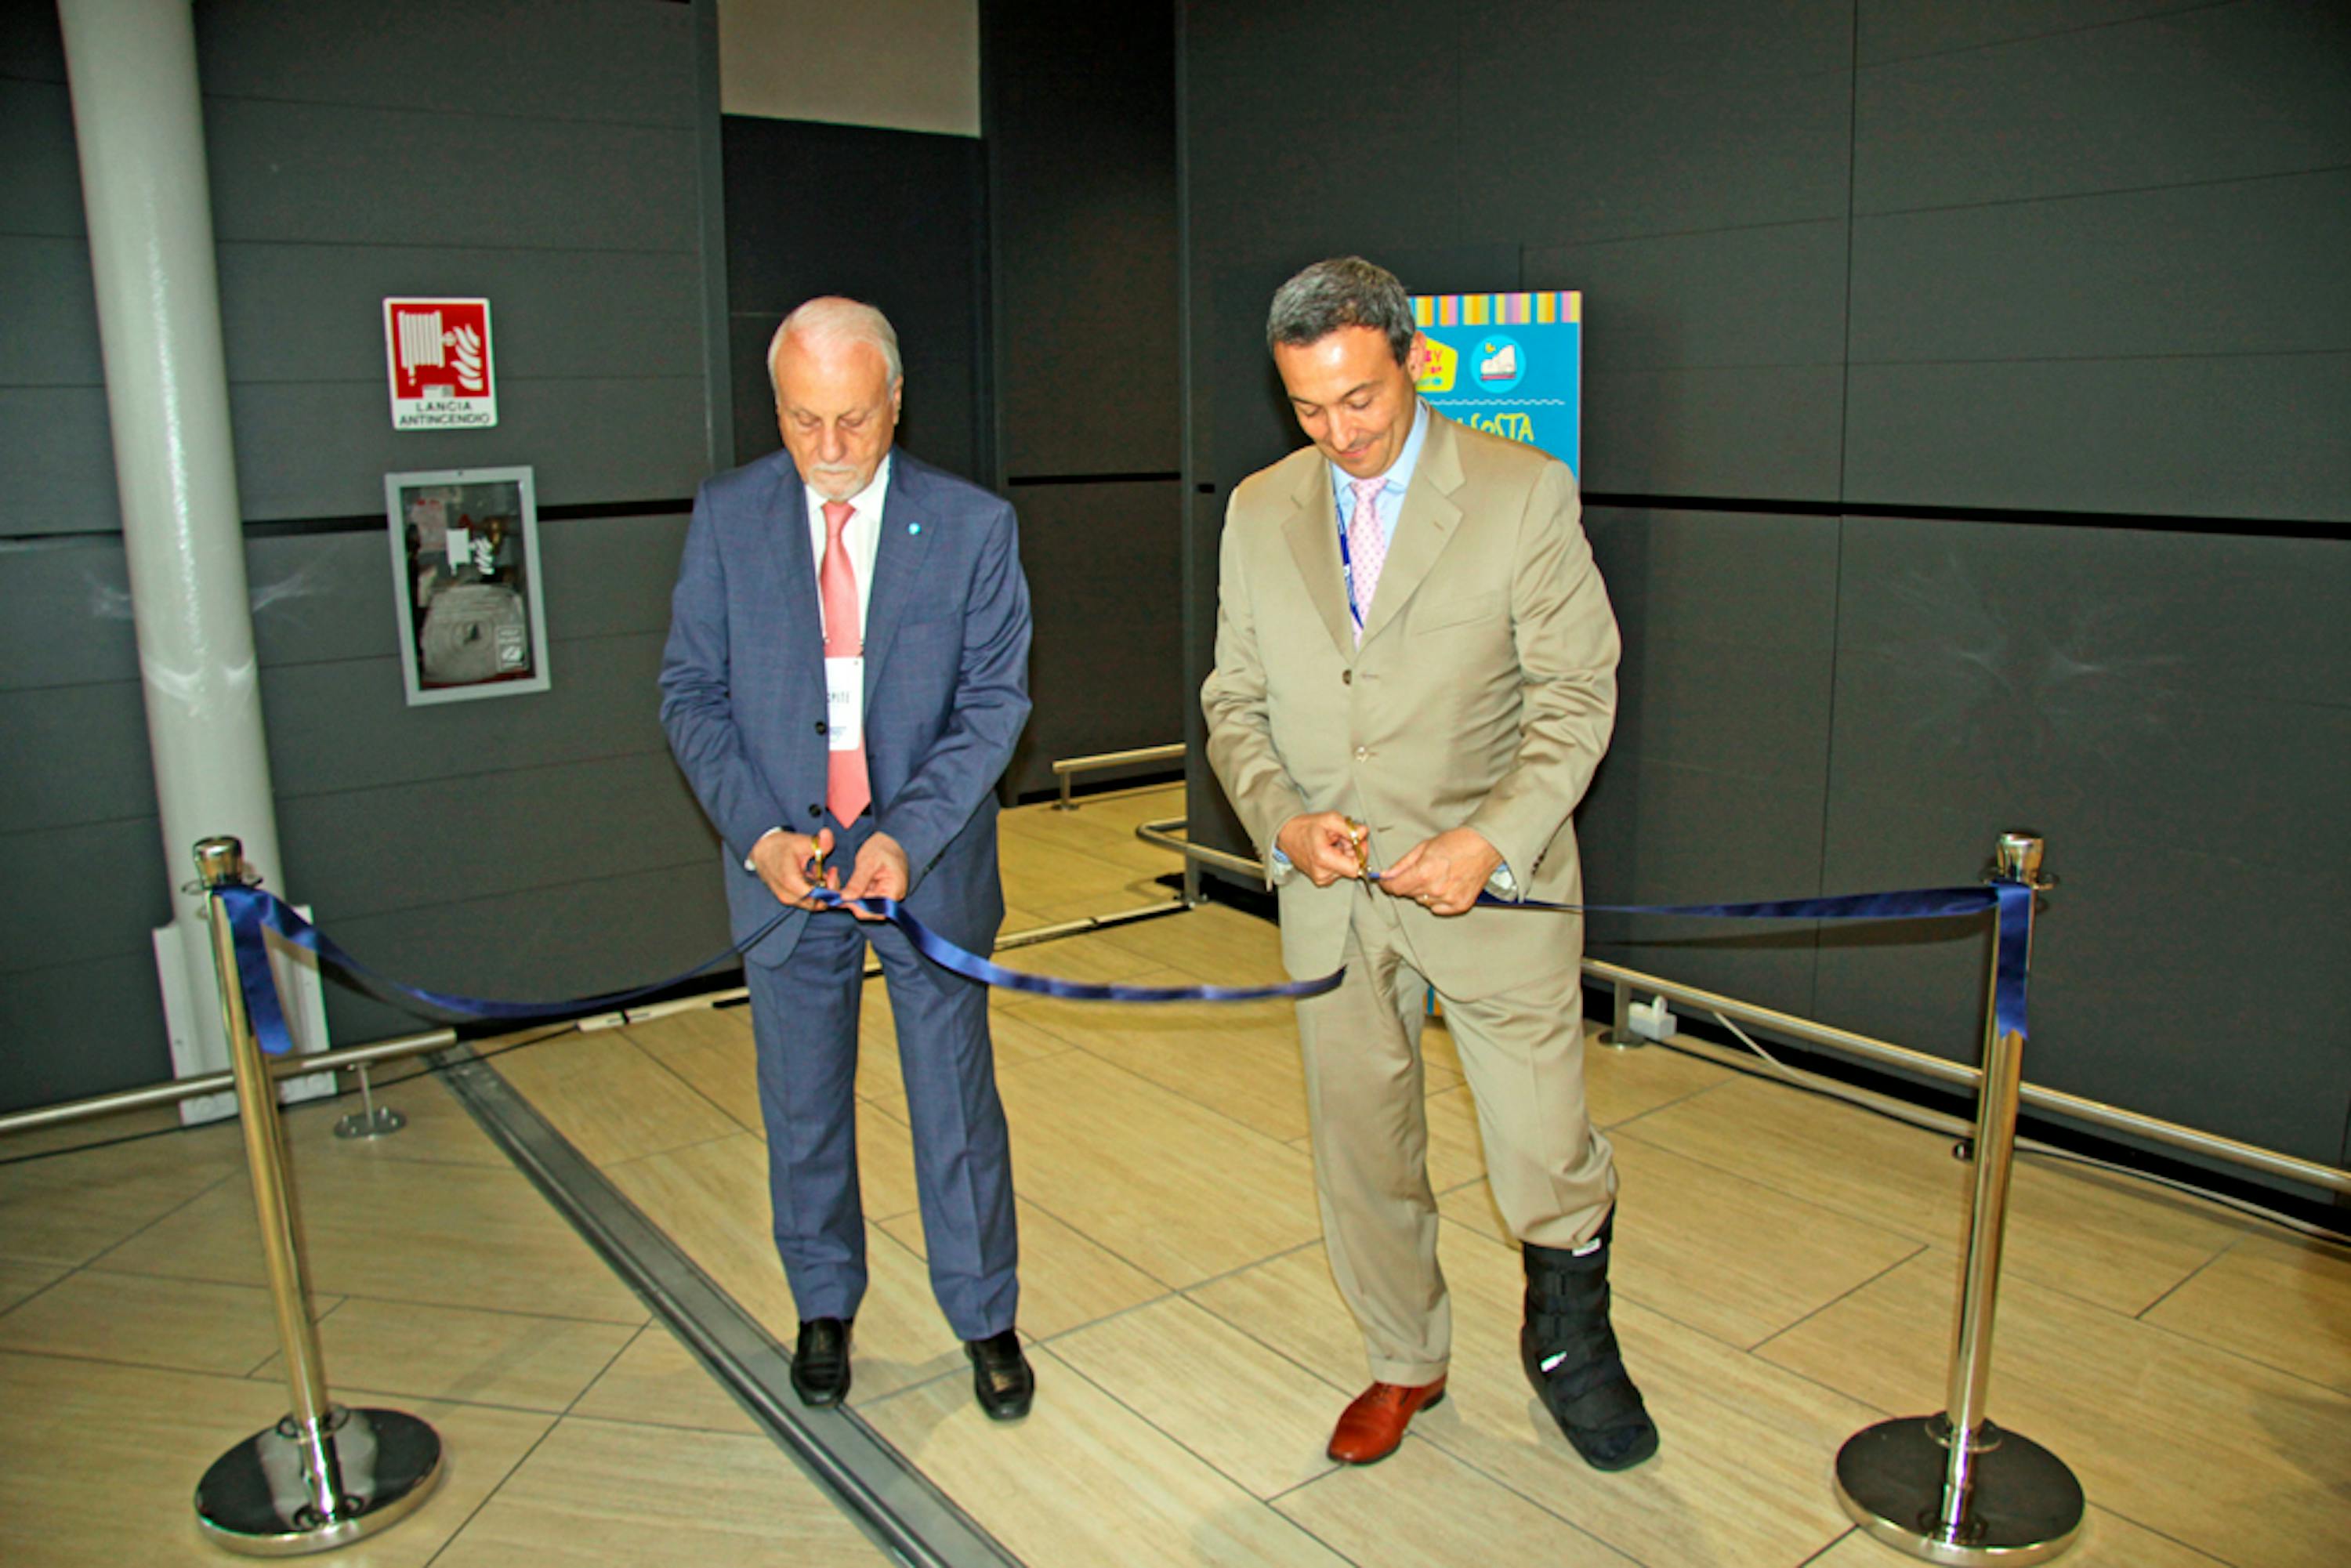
<point>1785,1274</point>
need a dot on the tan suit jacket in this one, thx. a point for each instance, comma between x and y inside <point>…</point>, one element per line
<point>1482,695</point>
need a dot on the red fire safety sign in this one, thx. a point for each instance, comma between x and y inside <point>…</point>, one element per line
<point>438,351</point>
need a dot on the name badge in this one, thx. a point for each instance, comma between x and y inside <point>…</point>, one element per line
<point>844,703</point>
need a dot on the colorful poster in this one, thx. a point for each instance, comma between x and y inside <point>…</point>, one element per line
<point>1511,365</point>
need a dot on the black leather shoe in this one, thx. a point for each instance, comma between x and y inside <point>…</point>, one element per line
<point>1569,1353</point>
<point>820,1365</point>
<point>1001,1375</point>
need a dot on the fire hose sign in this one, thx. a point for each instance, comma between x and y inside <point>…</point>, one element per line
<point>438,351</point>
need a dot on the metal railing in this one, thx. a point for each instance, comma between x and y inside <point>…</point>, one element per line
<point>1069,767</point>
<point>2052,1102</point>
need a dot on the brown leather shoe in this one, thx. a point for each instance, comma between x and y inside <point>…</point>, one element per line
<point>1370,1427</point>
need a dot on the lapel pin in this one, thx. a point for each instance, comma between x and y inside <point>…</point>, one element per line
<point>914,527</point>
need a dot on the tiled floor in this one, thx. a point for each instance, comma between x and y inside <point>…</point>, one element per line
<point>1785,1274</point>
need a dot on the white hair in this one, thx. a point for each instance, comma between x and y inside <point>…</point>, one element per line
<point>831,320</point>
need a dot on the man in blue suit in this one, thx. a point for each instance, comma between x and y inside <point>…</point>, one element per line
<point>846,674</point>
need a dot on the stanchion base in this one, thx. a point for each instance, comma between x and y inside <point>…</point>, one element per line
<point>383,1124</point>
<point>254,1499</point>
<point>2026,1506</point>
<point>1615,1041</point>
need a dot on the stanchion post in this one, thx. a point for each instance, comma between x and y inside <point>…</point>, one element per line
<point>325,1476</point>
<point>1952,1487</point>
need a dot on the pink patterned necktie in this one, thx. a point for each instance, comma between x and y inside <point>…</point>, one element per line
<point>1367,547</point>
<point>847,791</point>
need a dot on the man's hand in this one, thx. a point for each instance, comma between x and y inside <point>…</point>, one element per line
<point>781,859</point>
<point>1444,875</point>
<point>1323,845</point>
<point>880,873</point>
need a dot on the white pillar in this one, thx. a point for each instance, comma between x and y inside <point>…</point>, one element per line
<point>139,125</point>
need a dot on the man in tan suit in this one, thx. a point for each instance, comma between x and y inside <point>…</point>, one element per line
<point>1415,680</point>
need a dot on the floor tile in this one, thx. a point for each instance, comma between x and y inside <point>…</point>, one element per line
<point>437,1130</point>
<point>68,1209</point>
<point>2214,1450</point>
<point>2283,1302</point>
<point>711,1050</point>
<point>2122,1244</point>
<point>185,1324</point>
<point>1262,1420</point>
<point>397,1231</point>
<point>1066,1280</point>
<point>657,1382</point>
<point>1084,1482</point>
<point>1175,1189</point>
<point>612,1101</point>
<point>604,1493</point>
<point>1421,1506</point>
<point>701,1197</point>
<point>2107,1541</point>
<point>1696,1243</point>
<point>457,1354</point>
<point>1742,1474</point>
<point>19,1281</point>
<point>97,1463</point>
<point>1239,1059</point>
<point>1212,944</point>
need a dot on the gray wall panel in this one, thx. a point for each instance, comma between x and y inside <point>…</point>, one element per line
<point>82,1029</point>
<point>56,461</point>
<point>105,893</point>
<point>1736,297</point>
<point>1106,671</point>
<point>2253,436</point>
<point>1729,622</point>
<point>1897,29</point>
<point>1707,40</point>
<point>419,846</point>
<point>2243,267</point>
<point>1617,157</point>
<point>611,576</point>
<point>2227,92</point>
<point>1768,433</point>
<point>69,619</point>
<point>311,172</point>
<point>322,449</point>
<point>1265,83</point>
<point>308,312</point>
<point>347,725</point>
<point>602,934</point>
<point>1663,833</point>
<point>90,743</point>
<point>37,165</point>
<point>49,335</point>
<point>625,60</point>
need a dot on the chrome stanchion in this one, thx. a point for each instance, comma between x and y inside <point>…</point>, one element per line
<point>1951,1486</point>
<point>325,1476</point>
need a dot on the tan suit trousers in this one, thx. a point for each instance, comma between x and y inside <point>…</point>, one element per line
<point>1551,1171</point>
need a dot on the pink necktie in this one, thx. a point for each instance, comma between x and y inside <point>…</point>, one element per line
<point>1367,547</point>
<point>847,791</point>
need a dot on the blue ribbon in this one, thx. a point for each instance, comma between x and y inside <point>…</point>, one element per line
<point>251,911</point>
<point>2010,902</point>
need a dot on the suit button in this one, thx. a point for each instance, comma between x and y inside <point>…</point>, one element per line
<point>819,726</point>
<point>1363,754</point>
<point>1347,677</point>
<point>816,810</point>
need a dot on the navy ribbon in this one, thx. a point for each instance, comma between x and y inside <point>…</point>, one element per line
<point>2010,903</point>
<point>251,911</point>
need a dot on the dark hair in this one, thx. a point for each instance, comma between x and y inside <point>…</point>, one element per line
<point>1345,291</point>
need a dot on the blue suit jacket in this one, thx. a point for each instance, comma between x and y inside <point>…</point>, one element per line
<point>947,683</point>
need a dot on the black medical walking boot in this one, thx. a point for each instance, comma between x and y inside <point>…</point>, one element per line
<point>1570,1356</point>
